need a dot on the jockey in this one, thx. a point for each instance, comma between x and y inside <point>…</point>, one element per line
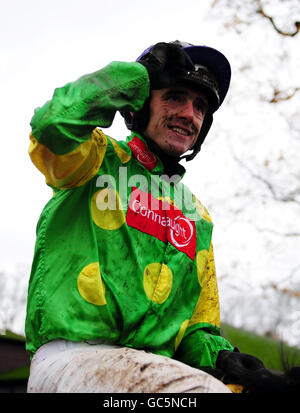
<point>124,255</point>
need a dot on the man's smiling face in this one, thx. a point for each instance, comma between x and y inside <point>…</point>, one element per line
<point>176,117</point>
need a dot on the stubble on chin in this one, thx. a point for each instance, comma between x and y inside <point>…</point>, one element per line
<point>171,149</point>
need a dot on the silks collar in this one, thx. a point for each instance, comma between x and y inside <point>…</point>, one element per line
<point>152,157</point>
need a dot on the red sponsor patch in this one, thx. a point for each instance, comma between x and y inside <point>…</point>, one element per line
<point>161,220</point>
<point>142,153</point>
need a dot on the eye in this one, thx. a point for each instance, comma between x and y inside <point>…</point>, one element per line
<point>201,106</point>
<point>174,97</point>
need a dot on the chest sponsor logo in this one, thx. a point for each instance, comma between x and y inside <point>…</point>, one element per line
<point>142,153</point>
<point>161,220</point>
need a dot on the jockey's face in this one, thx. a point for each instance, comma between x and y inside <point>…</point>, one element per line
<point>176,117</point>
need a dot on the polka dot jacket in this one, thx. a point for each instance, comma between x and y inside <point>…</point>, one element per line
<point>122,254</point>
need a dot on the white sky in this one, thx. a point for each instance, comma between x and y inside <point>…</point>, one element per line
<point>45,44</point>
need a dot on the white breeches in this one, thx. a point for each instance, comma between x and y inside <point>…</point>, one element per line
<point>67,367</point>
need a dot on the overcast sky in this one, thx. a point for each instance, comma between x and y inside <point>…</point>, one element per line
<point>45,44</point>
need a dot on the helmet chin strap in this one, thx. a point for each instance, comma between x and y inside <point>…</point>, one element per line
<point>171,163</point>
<point>208,120</point>
<point>189,156</point>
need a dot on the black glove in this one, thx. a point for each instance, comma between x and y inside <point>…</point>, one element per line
<point>163,62</point>
<point>249,371</point>
<point>233,362</point>
<point>240,368</point>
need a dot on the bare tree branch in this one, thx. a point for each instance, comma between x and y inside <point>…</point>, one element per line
<point>287,198</point>
<point>279,95</point>
<point>271,19</point>
<point>288,291</point>
<point>281,234</point>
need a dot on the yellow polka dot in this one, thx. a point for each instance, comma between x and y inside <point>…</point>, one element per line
<point>107,210</point>
<point>202,211</point>
<point>181,332</point>
<point>157,282</point>
<point>207,309</point>
<point>201,260</point>
<point>123,156</point>
<point>90,284</point>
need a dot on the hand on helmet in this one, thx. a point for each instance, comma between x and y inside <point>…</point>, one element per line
<point>163,61</point>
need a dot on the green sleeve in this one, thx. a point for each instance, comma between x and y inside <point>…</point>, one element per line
<point>201,345</point>
<point>68,119</point>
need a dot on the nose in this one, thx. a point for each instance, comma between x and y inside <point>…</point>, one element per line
<point>187,110</point>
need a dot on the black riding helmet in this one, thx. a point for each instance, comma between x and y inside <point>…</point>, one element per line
<point>205,68</point>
